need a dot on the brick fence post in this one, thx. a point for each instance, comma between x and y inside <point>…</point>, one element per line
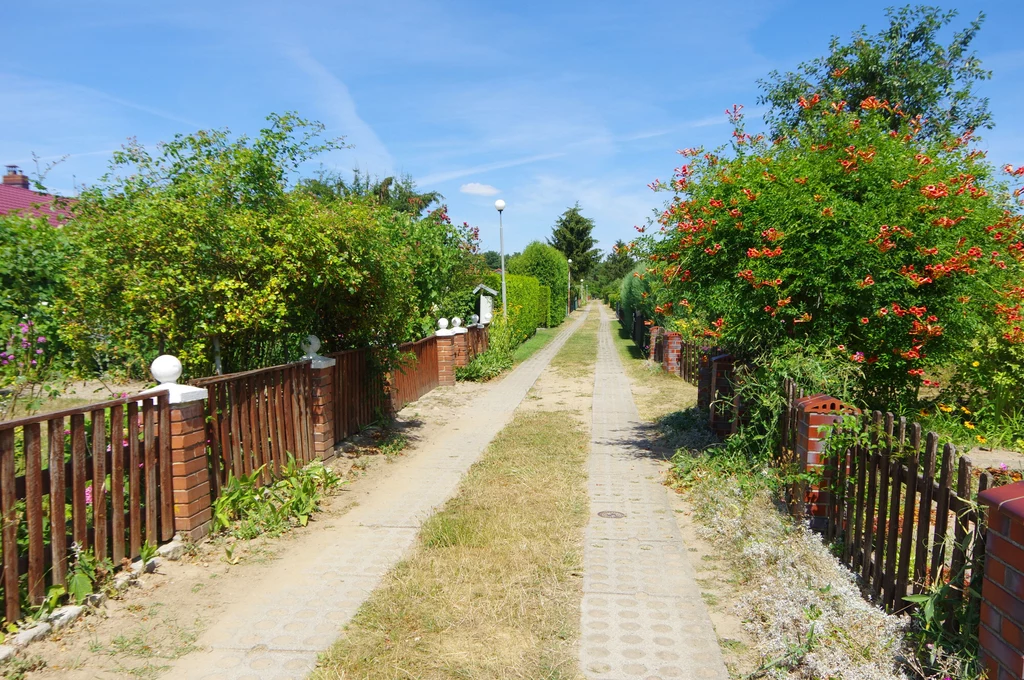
<point>190,476</point>
<point>461,342</point>
<point>673,353</point>
<point>323,398</point>
<point>655,332</point>
<point>814,414</point>
<point>1001,636</point>
<point>445,353</point>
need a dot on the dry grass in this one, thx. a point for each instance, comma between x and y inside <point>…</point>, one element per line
<point>493,587</point>
<point>655,392</point>
<point>579,353</point>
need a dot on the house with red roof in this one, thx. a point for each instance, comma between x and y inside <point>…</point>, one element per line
<point>16,196</point>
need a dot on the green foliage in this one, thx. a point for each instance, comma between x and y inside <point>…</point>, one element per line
<point>549,267</point>
<point>400,195</point>
<point>206,242</point>
<point>634,293</point>
<point>571,235</point>
<point>498,357</point>
<point>247,509</point>
<point>905,63</point>
<point>523,310</point>
<point>492,259</point>
<point>874,242</point>
<point>87,574</point>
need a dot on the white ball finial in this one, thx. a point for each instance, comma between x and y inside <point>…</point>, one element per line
<point>456,322</point>
<point>474,319</point>
<point>499,204</point>
<point>442,323</point>
<point>165,369</point>
<point>311,345</point>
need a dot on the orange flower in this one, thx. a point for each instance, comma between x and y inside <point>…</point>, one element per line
<point>828,212</point>
<point>840,72</point>
<point>800,180</point>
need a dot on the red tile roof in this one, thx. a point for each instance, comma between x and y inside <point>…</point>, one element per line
<point>30,203</point>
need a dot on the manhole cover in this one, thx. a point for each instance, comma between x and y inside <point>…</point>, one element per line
<point>611,514</point>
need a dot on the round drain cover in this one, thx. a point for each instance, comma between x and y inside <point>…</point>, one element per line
<point>611,514</point>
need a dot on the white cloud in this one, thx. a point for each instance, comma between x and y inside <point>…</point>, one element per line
<point>477,189</point>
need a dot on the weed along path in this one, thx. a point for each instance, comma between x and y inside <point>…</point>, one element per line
<point>642,612</point>
<point>298,606</point>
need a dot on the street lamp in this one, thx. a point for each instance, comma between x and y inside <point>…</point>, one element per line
<point>500,205</point>
<point>568,288</point>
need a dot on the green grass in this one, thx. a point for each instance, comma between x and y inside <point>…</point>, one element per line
<point>579,354</point>
<point>541,338</point>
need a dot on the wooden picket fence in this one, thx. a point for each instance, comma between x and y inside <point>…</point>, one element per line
<point>477,341</point>
<point>106,466</point>
<point>359,395</point>
<point>418,375</point>
<point>256,419</point>
<point>904,514</point>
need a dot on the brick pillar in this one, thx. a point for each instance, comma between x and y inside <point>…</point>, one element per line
<point>1001,636</point>
<point>323,408</point>
<point>190,477</point>
<point>814,414</point>
<point>445,353</point>
<point>673,353</point>
<point>655,332</point>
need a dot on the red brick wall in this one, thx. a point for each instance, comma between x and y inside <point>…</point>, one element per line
<point>815,414</point>
<point>655,332</point>
<point>1002,597</point>
<point>189,475</point>
<point>461,348</point>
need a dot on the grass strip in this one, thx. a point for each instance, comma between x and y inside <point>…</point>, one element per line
<point>493,588</point>
<point>579,353</point>
<point>534,344</point>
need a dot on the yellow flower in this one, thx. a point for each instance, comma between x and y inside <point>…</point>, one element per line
<point>944,408</point>
<point>981,440</point>
<point>924,413</point>
<point>969,425</point>
<point>975,364</point>
<point>965,410</point>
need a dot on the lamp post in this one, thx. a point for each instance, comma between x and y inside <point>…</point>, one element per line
<point>500,205</point>
<point>568,288</point>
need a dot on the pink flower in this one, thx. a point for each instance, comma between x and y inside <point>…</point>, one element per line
<point>88,495</point>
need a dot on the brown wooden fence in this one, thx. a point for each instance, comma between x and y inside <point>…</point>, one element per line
<point>477,341</point>
<point>419,375</point>
<point>105,466</point>
<point>689,361</point>
<point>359,397</point>
<point>904,515</point>
<point>256,419</point>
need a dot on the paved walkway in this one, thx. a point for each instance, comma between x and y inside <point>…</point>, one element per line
<point>642,613</point>
<point>299,607</point>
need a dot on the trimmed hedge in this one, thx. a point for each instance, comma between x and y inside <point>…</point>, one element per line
<point>523,308</point>
<point>544,306</point>
<point>550,268</point>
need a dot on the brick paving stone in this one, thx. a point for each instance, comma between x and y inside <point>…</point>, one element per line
<point>642,615</point>
<point>298,609</point>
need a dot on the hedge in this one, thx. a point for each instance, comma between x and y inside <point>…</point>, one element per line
<point>550,268</point>
<point>523,309</point>
<point>544,306</point>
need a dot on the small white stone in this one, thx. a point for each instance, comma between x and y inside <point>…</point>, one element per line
<point>7,652</point>
<point>171,551</point>
<point>65,616</point>
<point>27,637</point>
<point>125,579</point>
<point>96,600</point>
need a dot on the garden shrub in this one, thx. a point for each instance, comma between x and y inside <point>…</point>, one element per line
<point>882,244</point>
<point>634,293</point>
<point>550,268</point>
<point>544,306</point>
<point>523,312</point>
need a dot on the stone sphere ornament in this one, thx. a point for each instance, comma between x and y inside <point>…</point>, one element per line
<point>442,323</point>
<point>165,369</point>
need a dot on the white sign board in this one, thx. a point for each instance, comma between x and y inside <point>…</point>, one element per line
<point>486,309</point>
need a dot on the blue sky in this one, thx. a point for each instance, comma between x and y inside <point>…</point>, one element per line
<point>547,103</point>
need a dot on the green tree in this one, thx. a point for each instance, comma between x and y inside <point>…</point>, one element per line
<point>616,265</point>
<point>492,258</point>
<point>398,194</point>
<point>906,64</point>
<point>572,236</point>
<point>547,265</point>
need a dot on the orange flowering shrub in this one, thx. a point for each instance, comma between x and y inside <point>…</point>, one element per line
<point>891,246</point>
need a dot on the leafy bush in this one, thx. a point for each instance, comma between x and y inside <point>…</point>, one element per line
<point>497,358</point>
<point>634,293</point>
<point>523,311</point>
<point>247,509</point>
<point>544,306</point>
<point>889,246</point>
<point>550,268</point>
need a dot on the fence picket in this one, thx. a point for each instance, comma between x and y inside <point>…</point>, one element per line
<point>78,517</point>
<point>58,518</point>
<point>8,507</point>
<point>32,447</point>
<point>907,531</point>
<point>942,513</point>
<point>135,458</point>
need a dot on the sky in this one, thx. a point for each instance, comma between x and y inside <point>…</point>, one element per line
<point>541,104</point>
